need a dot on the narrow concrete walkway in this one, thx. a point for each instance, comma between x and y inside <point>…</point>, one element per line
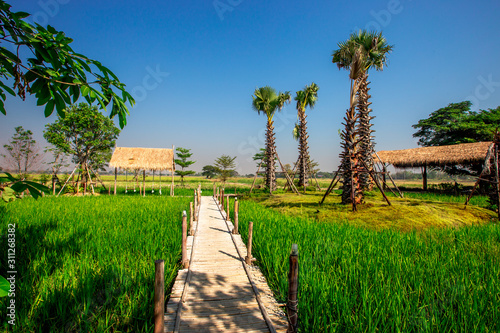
<point>218,294</point>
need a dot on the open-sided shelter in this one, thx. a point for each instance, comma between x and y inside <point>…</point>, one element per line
<point>156,159</point>
<point>464,153</point>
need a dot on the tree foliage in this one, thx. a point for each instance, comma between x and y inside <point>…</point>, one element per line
<point>183,154</point>
<point>455,124</point>
<point>210,171</point>
<point>22,151</point>
<point>55,74</point>
<point>226,165</point>
<point>85,134</point>
<point>268,101</point>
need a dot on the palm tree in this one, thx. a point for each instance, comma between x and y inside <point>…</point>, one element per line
<point>306,97</point>
<point>373,50</point>
<point>266,100</point>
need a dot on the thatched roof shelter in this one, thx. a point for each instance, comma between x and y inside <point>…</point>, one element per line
<point>465,153</point>
<point>143,159</point>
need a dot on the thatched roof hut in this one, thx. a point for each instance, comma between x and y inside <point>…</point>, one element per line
<point>465,153</point>
<point>143,159</point>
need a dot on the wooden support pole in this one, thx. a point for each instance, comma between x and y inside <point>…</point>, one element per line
<point>185,261</point>
<point>54,185</point>
<point>236,208</point>
<point>222,200</point>
<point>191,219</point>
<point>249,258</point>
<point>497,179</point>
<point>159,298</point>
<point>195,205</point>
<point>144,182</point>
<point>109,190</point>
<point>424,177</point>
<point>116,176</point>
<point>228,218</point>
<point>293,287</point>
<point>255,178</point>
<point>214,190</point>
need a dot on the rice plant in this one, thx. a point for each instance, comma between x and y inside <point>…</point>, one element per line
<point>360,280</point>
<point>86,264</point>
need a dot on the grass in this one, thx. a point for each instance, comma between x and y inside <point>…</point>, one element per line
<point>403,215</point>
<point>355,279</point>
<point>86,264</point>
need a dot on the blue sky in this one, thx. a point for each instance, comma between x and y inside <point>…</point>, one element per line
<point>194,65</point>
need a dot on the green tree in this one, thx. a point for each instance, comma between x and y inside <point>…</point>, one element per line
<point>55,74</point>
<point>22,151</point>
<point>455,124</point>
<point>373,49</point>
<point>226,165</point>
<point>85,134</point>
<point>267,101</point>
<point>210,171</point>
<point>306,97</point>
<point>183,154</point>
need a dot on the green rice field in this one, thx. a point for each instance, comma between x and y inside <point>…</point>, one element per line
<point>355,279</point>
<point>86,264</point>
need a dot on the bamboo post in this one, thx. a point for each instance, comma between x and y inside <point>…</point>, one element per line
<point>217,195</point>
<point>191,219</point>
<point>185,261</point>
<point>53,185</point>
<point>236,207</point>
<point>116,176</point>
<point>144,182</point>
<point>497,179</point>
<point>222,200</point>
<point>293,284</point>
<point>214,190</point>
<point>172,186</point>
<point>249,258</point>
<point>255,178</point>
<point>159,298</point>
<point>109,190</point>
<point>227,209</point>
<point>424,177</point>
<point>195,206</point>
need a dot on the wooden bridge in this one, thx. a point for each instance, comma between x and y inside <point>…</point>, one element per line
<point>219,292</point>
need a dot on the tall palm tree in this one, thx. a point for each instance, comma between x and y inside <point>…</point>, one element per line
<point>266,100</point>
<point>306,97</point>
<point>373,49</point>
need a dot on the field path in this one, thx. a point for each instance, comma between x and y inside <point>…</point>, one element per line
<point>217,292</point>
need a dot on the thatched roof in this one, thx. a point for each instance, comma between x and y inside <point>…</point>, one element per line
<point>465,153</point>
<point>142,159</point>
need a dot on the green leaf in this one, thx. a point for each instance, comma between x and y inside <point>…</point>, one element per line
<point>4,287</point>
<point>49,108</point>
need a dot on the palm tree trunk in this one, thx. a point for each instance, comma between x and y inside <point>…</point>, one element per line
<point>351,191</point>
<point>303,150</point>
<point>366,144</point>
<point>270,156</point>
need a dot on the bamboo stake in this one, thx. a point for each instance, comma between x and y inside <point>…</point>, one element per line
<point>293,287</point>
<point>144,182</point>
<point>376,182</point>
<point>292,185</point>
<point>331,186</point>
<point>214,191</point>
<point>159,298</point>
<point>236,218</point>
<point>173,171</point>
<point>195,205</point>
<point>222,200</point>
<point>116,176</point>
<point>185,261</point>
<point>67,180</point>
<point>249,258</point>
<point>497,180</point>
<point>191,219</point>
<point>255,178</point>
<point>228,218</point>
